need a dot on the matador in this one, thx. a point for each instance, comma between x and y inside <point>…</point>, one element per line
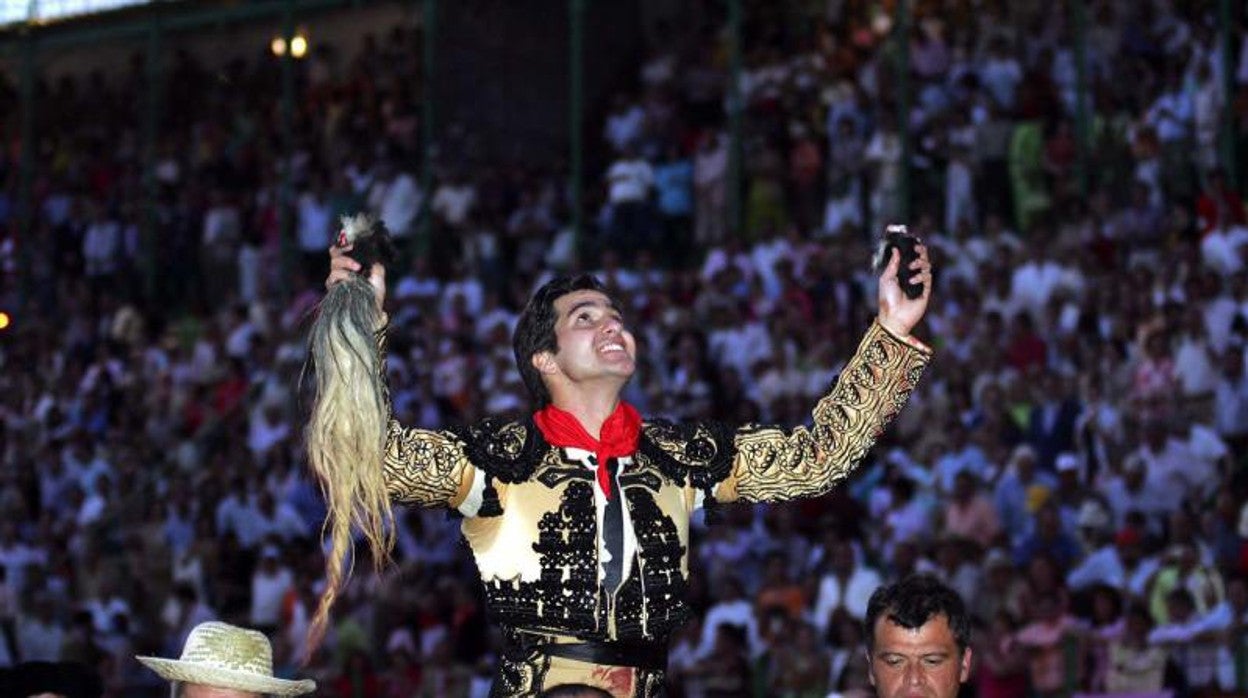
<point>578,515</point>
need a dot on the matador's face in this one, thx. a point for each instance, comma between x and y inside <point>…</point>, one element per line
<point>594,346</point>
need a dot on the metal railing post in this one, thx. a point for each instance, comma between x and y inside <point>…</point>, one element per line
<point>576,112</point>
<point>736,168</point>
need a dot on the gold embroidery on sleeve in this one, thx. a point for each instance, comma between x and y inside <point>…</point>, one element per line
<point>425,467</point>
<point>773,465</point>
<point>422,466</point>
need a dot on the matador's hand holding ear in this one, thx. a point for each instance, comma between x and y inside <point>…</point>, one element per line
<point>898,313</point>
<point>342,266</point>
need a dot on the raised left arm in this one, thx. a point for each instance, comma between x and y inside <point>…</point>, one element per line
<point>772,464</point>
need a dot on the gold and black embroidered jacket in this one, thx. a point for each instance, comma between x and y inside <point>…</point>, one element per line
<point>532,515</point>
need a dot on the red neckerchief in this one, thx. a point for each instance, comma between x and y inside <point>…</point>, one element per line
<point>619,435</point>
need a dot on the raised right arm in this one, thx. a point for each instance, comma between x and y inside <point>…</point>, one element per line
<point>419,466</point>
<point>423,466</point>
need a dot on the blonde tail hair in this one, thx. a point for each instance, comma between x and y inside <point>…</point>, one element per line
<point>347,431</point>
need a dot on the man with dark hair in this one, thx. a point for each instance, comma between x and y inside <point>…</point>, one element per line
<point>535,330</point>
<point>578,516</point>
<point>918,639</point>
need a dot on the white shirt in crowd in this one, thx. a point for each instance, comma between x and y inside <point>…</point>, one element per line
<point>624,127</point>
<point>739,612</point>
<point>397,202</point>
<point>267,591</point>
<point>453,202</point>
<point>315,224</point>
<point>1220,249</point>
<point>629,181</point>
<point>853,595</point>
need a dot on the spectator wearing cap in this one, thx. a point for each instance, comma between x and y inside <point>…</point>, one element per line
<point>220,660</point>
<point>1070,493</point>
<point>1050,539</point>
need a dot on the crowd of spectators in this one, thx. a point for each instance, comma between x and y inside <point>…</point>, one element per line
<point>1073,463</point>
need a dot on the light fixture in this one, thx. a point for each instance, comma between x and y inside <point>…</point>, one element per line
<point>299,45</point>
<point>278,46</point>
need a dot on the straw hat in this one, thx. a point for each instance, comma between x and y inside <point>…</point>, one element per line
<point>226,656</point>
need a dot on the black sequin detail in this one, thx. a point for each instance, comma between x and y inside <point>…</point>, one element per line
<point>509,451</point>
<point>656,570</point>
<point>490,506</point>
<point>565,598</point>
<point>697,453</point>
<point>521,672</point>
<point>568,598</point>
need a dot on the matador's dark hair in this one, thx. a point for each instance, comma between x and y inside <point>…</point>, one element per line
<point>915,600</point>
<point>535,330</point>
